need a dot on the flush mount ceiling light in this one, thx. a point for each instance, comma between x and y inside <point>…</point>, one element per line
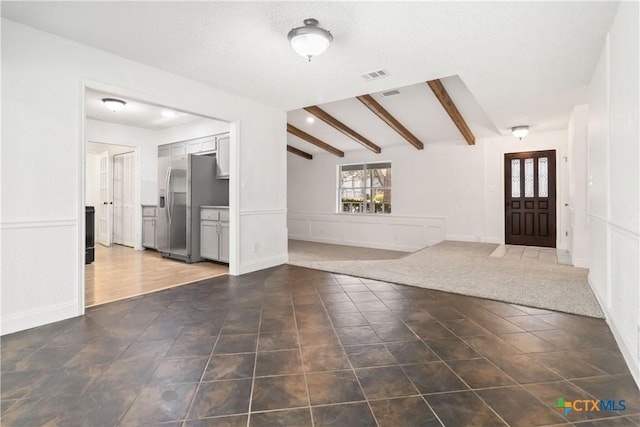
<point>520,131</point>
<point>114,104</point>
<point>310,40</point>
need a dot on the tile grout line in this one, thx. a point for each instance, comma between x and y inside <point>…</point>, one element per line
<point>204,371</point>
<point>304,373</point>
<point>255,360</point>
<point>375,419</point>
<point>448,367</point>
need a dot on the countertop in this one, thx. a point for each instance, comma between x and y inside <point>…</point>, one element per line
<point>214,207</point>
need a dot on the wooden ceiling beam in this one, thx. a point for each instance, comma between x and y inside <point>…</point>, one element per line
<point>441,93</point>
<point>313,140</point>
<point>386,117</point>
<point>338,125</point>
<point>294,150</point>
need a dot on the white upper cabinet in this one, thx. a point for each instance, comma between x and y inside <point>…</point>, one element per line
<point>204,145</point>
<point>222,161</point>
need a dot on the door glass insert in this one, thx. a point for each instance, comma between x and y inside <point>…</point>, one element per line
<point>528,177</point>
<point>543,177</point>
<point>515,178</point>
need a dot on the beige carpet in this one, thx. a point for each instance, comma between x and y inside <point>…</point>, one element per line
<point>466,268</point>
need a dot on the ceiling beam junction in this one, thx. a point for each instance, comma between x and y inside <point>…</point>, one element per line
<point>300,153</point>
<point>386,117</point>
<point>313,140</point>
<point>441,93</point>
<point>338,125</point>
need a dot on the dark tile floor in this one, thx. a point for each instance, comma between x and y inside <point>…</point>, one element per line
<point>295,347</point>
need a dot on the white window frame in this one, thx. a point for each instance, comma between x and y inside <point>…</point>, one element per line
<point>364,189</point>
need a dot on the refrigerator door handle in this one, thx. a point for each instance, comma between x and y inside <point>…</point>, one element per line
<point>169,196</point>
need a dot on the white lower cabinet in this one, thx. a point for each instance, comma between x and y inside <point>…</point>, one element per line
<point>149,227</point>
<point>224,241</point>
<point>214,233</point>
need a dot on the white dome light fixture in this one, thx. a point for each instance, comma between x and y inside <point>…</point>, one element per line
<point>310,40</point>
<point>114,104</point>
<point>520,131</point>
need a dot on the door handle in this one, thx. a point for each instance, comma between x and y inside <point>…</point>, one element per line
<point>168,191</point>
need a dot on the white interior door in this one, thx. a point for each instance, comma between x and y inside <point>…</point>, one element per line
<point>124,199</point>
<point>129,198</point>
<point>105,206</point>
<point>118,195</point>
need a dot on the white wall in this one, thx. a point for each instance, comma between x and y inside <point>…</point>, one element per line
<point>614,181</point>
<point>446,191</point>
<point>43,153</point>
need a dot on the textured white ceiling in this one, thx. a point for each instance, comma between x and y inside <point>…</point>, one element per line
<point>134,113</point>
<point>523,62</point>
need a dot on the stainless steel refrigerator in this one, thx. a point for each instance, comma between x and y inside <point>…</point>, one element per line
<point>184,184</point>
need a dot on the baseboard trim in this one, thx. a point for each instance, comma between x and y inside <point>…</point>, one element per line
<point>42,316</point>
<point>627,353</point>
<point>582,263</point>
<point>261,264</point>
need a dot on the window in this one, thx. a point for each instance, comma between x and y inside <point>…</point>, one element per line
<point>364,188</point>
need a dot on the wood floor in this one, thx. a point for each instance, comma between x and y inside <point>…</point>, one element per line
<point>120,272</point>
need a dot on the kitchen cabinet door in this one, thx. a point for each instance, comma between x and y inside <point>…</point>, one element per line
<point>164,150</point>
<point>222,157</point>
<point>209,144</point>
<point>149,232</point>
<point>209,240</point>
<point>194,147</point>
<point>178,149</point>
<point>224,241</point>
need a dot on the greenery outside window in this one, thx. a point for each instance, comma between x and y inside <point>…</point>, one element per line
<point>364,188</point>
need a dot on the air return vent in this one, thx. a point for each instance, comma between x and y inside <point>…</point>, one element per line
<point>390,93</point>
<point>374,75</point>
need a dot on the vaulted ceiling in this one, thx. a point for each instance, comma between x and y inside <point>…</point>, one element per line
<point>416,108</point>
<point>503,63</point>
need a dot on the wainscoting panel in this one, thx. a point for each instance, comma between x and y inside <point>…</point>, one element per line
<point>262,242</point>
<point>42,292</point>
<point>371,231</point>
<point>326,230</point>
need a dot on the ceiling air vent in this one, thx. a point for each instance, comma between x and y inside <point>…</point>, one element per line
<point>374,75</point>
<point>391,93</point>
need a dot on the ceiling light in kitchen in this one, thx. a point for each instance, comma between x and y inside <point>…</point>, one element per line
<point>114,104</point>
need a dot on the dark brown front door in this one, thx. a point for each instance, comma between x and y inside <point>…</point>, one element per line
<point>530,198</point>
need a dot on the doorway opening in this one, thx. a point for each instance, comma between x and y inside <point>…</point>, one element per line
<point>121,181</point>
<point>530,198</point>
